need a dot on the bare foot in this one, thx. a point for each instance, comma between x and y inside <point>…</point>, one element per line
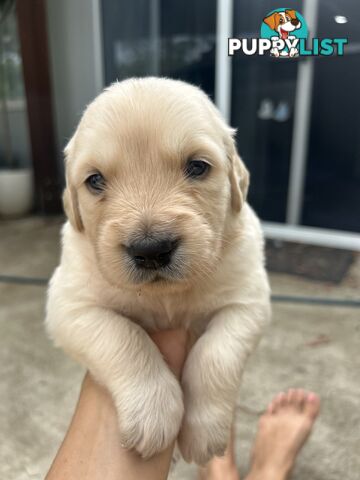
<point>282,431</point>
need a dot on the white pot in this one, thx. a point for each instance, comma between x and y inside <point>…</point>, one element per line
<point>16,192</point>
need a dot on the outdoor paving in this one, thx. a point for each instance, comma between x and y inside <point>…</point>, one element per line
<point>313,347</point>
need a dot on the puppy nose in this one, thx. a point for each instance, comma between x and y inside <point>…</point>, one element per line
<point>151,253</point>
<point>294,21</point>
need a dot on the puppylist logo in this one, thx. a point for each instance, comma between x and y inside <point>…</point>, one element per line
<point>284,34</point>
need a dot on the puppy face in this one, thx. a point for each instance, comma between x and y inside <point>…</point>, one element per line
<point>283,22</point>
<point>154,182</point>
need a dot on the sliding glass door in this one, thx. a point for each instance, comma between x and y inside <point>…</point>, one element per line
<point>332,186</point>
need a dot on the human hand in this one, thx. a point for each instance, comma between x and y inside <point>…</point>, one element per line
<point>174,346</point>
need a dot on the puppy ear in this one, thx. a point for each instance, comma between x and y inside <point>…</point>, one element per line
<point>239,178</point>
<point>271,20</point>
<point>70,197</point>
<point>71,208</point>
<point>239,181</point>
<point>291,13</point>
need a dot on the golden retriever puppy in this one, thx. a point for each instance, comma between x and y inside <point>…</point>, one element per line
<point>159,236</point>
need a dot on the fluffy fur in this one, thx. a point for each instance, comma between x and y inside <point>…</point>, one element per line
<point>139,134</point>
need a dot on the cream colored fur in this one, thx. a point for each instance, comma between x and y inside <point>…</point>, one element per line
<point>139,134</point>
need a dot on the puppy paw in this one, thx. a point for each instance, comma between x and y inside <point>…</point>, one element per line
<point>203,436</point>
<point>150,416</point>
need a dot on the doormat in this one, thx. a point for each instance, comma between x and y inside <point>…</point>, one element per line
<point>316,263</point>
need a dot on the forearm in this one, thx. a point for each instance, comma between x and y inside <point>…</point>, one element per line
<point>92,448</point>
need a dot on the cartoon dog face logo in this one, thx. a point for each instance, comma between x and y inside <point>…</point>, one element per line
<point>283,22</point>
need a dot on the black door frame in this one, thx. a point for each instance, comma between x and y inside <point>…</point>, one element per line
<point>31,18</point>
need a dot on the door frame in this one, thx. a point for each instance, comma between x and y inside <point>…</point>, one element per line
<point>33,39</point>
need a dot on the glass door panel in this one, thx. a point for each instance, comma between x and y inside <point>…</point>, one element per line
<point>332,189</point>
<point>158,37</point>
<point>263,95</point>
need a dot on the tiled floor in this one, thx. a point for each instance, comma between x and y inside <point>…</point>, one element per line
<point>39,385</point>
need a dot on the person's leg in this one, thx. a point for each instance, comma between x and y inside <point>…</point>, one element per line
<point>282,432</point>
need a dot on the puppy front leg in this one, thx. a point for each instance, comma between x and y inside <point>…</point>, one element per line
<point>211,379</point>
<point>121,356</point>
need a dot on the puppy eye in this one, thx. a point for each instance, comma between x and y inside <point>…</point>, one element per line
<point>281,20</point>
<point>196,168</point>
<point>96,182</point>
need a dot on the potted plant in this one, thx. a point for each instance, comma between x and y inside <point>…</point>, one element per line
<point>16,178</point>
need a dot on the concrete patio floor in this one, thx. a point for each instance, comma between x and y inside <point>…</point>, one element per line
<point>308,346</point>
